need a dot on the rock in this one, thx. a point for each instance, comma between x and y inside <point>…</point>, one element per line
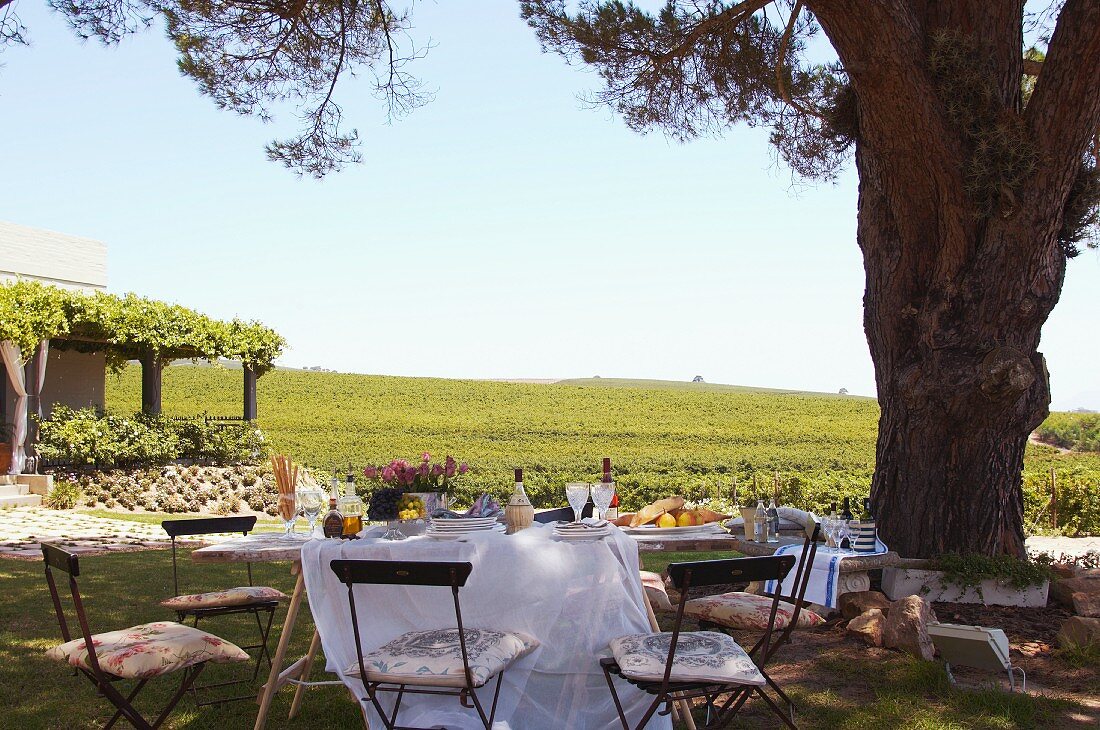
<point>1079,631</point>
<point>1086,604</point>
<point>1063,590</point>
<point>854,604</point>
<point>868,626</point>
<point>906,627</point>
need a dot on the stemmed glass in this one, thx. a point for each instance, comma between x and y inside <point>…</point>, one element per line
<point>311,499</point>
<point>577,494</point>
<point>602,494</point>
<point>842,531</point>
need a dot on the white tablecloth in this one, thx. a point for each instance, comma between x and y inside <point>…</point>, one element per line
<point>573,597</point>
<point>824,583</point>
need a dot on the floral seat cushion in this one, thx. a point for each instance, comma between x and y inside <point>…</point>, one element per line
<point>740,610</point>
<point>240,596</point>
<point>435,657</point>
<point>149,650</point>
<point>655,590</point>
<point>701,656</point>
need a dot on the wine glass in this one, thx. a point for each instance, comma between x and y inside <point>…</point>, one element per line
<point>602,494</point>
<point>311,499</point>
<point>842,531</point>
<point>288,511</point>
<point>577,494</point>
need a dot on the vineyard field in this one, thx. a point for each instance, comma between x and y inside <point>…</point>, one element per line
<point>692,439</point>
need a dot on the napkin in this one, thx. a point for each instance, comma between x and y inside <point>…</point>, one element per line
<point>484,506</point>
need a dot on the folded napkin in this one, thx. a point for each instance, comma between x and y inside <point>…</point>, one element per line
<point>484,506</point>
<point>824,582</point>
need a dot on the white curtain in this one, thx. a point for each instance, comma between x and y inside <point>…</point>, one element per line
<point>39,369</point>
<point>13,362</point>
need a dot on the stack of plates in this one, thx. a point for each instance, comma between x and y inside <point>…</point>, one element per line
<point>593,530</point>
<point>449,528</point>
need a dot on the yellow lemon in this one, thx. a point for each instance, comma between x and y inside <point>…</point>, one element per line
<point>666,520</point>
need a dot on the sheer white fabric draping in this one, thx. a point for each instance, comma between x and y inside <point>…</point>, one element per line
<point>38,382</point>
<point>573,597</point>
<point>13,363</point>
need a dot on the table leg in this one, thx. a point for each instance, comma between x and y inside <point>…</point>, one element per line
<point>300,689</point>
<point>268,691</point>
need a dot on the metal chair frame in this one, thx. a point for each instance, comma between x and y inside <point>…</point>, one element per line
<point>410,573</point>
<point>207,526</point>
<point>59,559</point>
<point>666,691</point>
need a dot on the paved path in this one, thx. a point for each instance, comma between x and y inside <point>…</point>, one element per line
<point>23,530</point>
<point>1070,547</point>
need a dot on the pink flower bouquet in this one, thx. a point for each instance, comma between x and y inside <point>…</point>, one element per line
<point>422,476</point>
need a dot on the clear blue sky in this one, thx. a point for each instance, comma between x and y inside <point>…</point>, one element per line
<point>505,230</point>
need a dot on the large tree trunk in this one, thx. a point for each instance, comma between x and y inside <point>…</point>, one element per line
<point>956,297</point>
<point>960,385</point>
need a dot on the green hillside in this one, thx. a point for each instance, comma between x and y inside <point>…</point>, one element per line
<point>663,437</point>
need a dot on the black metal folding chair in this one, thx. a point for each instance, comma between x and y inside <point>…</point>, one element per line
<point>190,648</point>
<point>564,514</point>
<point>672,679</point>
<point>449,650</point>
<point>250,599</point>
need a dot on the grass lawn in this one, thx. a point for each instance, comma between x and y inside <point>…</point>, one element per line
<point>835,688</point>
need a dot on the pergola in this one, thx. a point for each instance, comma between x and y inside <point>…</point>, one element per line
<point>35,317</point>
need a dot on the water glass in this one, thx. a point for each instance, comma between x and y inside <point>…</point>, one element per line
<point>288,511</point>
<point>577,494</point>
<point>311,500</point>
<point>602,494</point>
<point>841,531</point>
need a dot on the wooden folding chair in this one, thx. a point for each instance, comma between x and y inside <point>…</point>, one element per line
<point>436,662</point>
<point>709,665</point>
<point>171,646</point>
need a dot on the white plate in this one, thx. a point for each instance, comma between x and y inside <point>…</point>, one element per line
<point>654,530</point>
<point>452,535</point>
<point>463,528</point>
<point>466,523</point>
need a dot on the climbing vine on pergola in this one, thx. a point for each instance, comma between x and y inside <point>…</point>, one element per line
<point>130,327</point>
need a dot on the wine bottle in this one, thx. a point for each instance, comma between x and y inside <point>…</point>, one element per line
<point>846,515</point>
<point>760,522</point>
<point>773,522</point>
<point>867,509</point>
<point>518,513</point>
<point>606,470</point>
<point>333,523</point>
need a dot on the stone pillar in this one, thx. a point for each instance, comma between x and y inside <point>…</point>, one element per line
<point>151,371</point>
<point>250,378</point>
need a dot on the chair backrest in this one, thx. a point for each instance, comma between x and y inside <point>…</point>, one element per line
<point>407,573</point>
<point>56,558</point>
<point>205,526</point>
<point>729,570</point>
<point>561,513</point>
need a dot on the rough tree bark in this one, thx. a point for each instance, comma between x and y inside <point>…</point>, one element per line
<point>955,300</point>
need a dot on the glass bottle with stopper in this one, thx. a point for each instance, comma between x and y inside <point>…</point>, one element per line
<point>351,507</point>
<point>518,514</point>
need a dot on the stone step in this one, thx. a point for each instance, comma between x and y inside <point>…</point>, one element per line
<point>14,490</point>
<point>23,500</point>
<point>7,479</point>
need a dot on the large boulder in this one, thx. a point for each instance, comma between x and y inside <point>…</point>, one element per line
<point>1086,604</point>
<point>1063,590</point>
<point>854,604</point>
<point>906,627</point>
<point>1079,631</point>
<point>869,626</point>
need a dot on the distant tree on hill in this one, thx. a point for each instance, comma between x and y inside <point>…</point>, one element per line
<point>972,195</point>
<point>697,379</point>
<point>843,391</point>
